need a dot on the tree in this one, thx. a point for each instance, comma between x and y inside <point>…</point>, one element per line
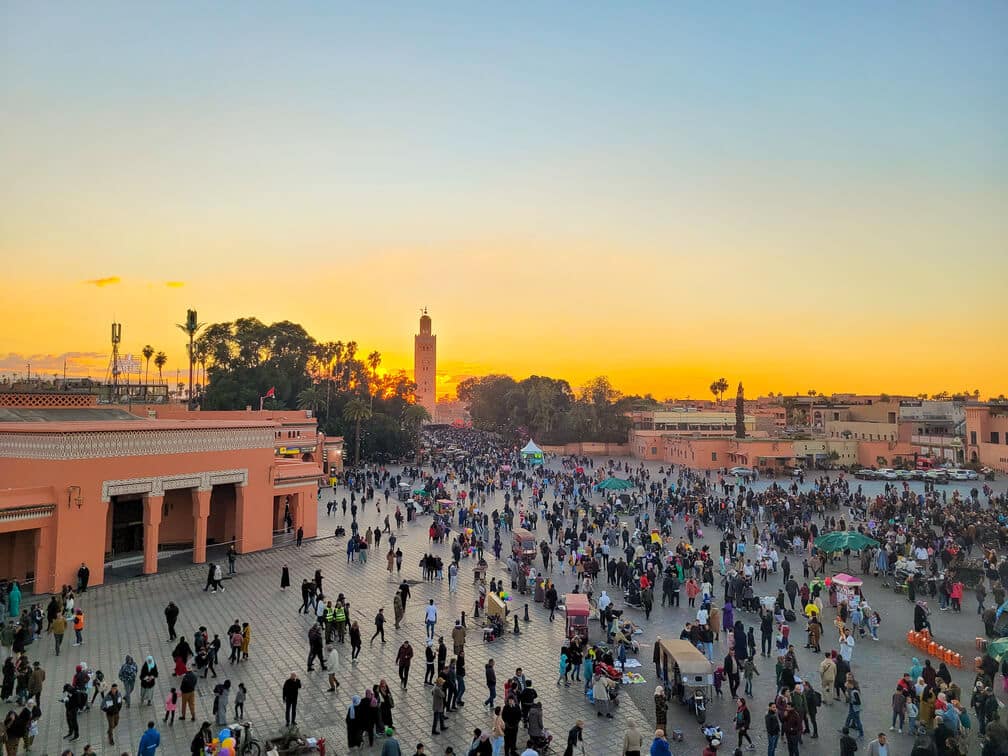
<point>147,352</point>
<point>160,360</point>
<point>718,388</point>
<point>740,412</point>
<point>191,327</point>
<point>414,417</point>
<point>373,361</point>
<point>356,412</point>
<point>311,398</point>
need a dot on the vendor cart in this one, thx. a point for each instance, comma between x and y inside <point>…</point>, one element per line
<point>576,613</point>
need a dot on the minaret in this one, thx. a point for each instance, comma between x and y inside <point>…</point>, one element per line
<point>425,364</point>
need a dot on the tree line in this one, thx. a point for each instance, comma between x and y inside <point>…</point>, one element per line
<point>244,360</point>
<point>548,410</point>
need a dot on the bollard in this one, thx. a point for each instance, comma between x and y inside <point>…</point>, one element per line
<point>516,630</point>
<point>526,618</point>
<point>463,619</point>
<point>476,610</point>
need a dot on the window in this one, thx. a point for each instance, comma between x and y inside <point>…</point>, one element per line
<point>972,437</point>
<point>654,450</point>
<point>713,456</point>
<point>995,437</point>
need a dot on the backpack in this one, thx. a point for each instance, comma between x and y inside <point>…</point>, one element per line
<point>817,698</point>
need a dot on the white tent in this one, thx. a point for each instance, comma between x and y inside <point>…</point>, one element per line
<point>532,453</point>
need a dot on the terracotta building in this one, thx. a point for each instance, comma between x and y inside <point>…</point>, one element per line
<point>92,485</point>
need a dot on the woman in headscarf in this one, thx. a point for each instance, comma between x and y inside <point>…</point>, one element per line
<point>14,600</point>
<point>944,674</point>
<point>128,676</point>
<point>741,643</point>
<point>916,668</point>
<point>353,724</point>
<point>148,678</point>
<point>387,703</point>
<point>181,656</point>
<point>372,715</point>
<point>661,708</point>
<point>728,616</point>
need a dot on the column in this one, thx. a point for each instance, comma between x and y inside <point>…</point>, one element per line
<point>45,577</point>
<point>240,520</point>
<point>296,510</point>
<point>153,508</point>
<point>201,511</point>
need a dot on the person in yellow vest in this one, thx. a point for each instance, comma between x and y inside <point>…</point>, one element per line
<point>340,618</point>
<point>330,621</point>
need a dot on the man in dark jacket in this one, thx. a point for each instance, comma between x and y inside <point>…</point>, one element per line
<point>315,647</point>
<point>171,614</point>
<point>291,688</point>
<point>772,723</point>
<point>848,746</point>
<point>491,683</point>
<point>792,729</point>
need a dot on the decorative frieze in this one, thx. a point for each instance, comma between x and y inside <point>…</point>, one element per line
<point>157,485</point>
<point>26,513</point>
<point>132,443</point>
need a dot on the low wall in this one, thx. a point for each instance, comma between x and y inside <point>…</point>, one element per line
<point>589,448</point>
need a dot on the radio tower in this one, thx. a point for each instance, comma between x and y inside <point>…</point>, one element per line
<point>114,364</point>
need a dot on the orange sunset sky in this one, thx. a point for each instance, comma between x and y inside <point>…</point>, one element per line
<point>783,195</point>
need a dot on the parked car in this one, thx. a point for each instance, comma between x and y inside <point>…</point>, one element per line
<point>919,474</point>
<point>797,472</point>
<point>957,473</point>
<point>886,473</point>
<point>865,474</point>
<point>936,476</point>
<point>904,474</point>
<point>746,473</point>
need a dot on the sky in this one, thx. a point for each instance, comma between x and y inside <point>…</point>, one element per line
<point>795,195</point>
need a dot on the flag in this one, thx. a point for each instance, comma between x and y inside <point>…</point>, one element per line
<point>271,393</point>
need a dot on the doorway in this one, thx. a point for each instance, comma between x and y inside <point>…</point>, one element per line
<point>127,525</point>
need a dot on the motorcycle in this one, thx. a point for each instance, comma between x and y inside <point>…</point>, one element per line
<point>699,706</point>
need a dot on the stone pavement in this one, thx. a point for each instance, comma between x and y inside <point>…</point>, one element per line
<point>127,618</point>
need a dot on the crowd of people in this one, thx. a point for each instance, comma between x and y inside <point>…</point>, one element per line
<point>744,558</point>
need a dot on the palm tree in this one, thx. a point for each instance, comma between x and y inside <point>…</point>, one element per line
<point>160,360</point>
<point>414,416</point>
<point>311,399</point>
<point>147,352</point>
<point>356,411</point>
<point>373,361</point>
<point>191,327</point>
<point>202,354</point>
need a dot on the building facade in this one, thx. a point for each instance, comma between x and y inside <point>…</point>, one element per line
<point>425,365</point>
<point>105,486</point>
<point>987,435</point>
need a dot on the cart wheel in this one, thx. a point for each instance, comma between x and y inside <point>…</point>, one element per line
<point>252,748</point>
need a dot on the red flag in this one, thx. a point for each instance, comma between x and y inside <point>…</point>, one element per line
<point>271,393</point>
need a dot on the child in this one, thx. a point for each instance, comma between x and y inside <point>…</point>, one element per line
<point>912,711</point>
<point>240,702</point>
<point>170,704</point>
<point>718,679</point>
<point>873,625</point>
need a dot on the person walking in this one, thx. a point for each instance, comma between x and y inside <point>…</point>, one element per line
<point>332,661</point>
<point>188,690</point>
<point>773,728</point>
<point>429,658</point>
<point>111,706</point>
<point>430,618</point>
<point>315,647</point>
<point>355,641</point>
<point>148,676</point>
<point>574,736</point>
<point>792,726</point>
<point>438,703</point>
<point>171,614</point>
<point>403,659</point>
<point>240,695</point>
<point>491,683</point>
<point>379,623</point>
<point>171,705</point>
<point>291,688</point>
<point>743,721</point>
<point>128,676</point>
<point>78,626</point>
<point>149,741</point>
<point>878,747</point>
<point>633,741</point>
<point>58,628</point>
<point>854,707</point>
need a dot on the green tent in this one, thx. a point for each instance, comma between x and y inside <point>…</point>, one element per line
<point>532,454</point>
<point>614,484</point>
<point>839,540</point>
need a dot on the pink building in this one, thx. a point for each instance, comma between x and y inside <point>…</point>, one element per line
<point>94,485</point>
<point>987,435</point>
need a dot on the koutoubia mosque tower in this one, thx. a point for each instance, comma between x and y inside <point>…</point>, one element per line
<point>425,364</point>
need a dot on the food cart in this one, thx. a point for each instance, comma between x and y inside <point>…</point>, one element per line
<point>685,669</point>
<point>576,612</point>
<point>496,606</point>
<point>403,491</point>
<point>523,546</point>
<point>445,507</point>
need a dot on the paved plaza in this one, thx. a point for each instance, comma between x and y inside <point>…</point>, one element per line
<point>127,618</point>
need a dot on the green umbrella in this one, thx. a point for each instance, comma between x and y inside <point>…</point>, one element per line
<point>997,649</point>
<point>614,484</point>
<point>839,540</point>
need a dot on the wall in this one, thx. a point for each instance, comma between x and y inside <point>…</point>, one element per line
<point>589,448</point>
